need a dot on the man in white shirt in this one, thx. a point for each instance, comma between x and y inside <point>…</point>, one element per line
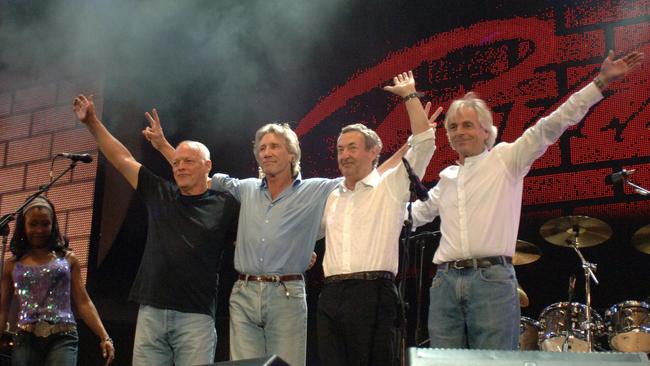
<point>358,305</point>
<point>473,297</point>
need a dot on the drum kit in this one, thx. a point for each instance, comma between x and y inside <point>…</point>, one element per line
<point>572,326</point>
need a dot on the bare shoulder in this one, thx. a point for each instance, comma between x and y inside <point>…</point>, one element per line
<point>71,258</point>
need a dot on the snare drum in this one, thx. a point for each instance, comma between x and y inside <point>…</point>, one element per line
<point>629,326</point>
<point>528,334</point>
<point>553,320</point>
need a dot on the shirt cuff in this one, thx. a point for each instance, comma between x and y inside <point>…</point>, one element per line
<point>422,136</point>
<point>591,94</point>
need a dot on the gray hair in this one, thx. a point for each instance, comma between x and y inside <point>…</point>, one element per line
<point>203,150</point>
<point>483,113</point>
<point>371,138</point>
<point>290,139</point>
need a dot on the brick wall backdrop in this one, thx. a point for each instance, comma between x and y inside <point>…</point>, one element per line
<point>36,123</point>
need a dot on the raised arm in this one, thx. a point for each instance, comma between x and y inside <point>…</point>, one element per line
<point>154,134</point>
<point>520,155</point>
<point>404,86</point>
<point>115,152</point>
<point>87,310</point>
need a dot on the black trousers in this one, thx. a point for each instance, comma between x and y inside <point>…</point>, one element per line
<point>357,323</point>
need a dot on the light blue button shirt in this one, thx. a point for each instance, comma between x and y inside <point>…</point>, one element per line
<point>276,236</point>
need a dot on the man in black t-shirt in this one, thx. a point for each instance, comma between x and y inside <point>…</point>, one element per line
<point>188,228</point>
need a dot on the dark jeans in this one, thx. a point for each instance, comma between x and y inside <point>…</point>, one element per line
<point>57,349</point>
<point>356,322</point>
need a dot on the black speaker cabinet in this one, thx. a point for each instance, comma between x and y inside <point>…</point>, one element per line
<point>464,357</point>
<point>264,361</point>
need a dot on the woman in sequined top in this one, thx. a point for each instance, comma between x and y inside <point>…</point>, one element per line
<point>45,277</point>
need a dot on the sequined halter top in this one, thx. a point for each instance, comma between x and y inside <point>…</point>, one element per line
<point>43,292</point>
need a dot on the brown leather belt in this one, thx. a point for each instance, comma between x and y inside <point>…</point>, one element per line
<point>475,262</point>
<point>271,278</point>
<point>369,276</point>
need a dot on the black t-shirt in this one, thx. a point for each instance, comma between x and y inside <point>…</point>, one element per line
<point>185,241</point>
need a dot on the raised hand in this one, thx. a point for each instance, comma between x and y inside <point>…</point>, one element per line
<point>84,108</point>
<point>154,132</point>
<point>434,116</point>
<point>403,84</point>
<point>613,69</point>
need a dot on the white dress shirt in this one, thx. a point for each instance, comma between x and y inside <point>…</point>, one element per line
<point>479,202</point>
<point>362,226</point>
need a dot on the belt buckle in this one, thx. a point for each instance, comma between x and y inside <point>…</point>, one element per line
<point>43,329</point>
<point>455,265</point>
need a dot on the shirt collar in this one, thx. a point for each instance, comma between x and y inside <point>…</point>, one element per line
<point>264,184</point>
<point>473,159</point>
<point>371,180</point>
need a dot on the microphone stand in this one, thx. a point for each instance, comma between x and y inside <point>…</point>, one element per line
<point>637,188</point>
<point>401,272</point>
<point>418,318</point>
<point>6,219</point>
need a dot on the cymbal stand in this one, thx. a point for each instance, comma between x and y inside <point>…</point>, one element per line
<point>589,269</point>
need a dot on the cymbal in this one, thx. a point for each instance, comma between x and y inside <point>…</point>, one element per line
<point>641,239</point>
<point>562,231</point>
<point>523,298</point>
<point>525,253</point>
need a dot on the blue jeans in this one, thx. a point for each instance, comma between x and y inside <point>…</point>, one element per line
<point>474,308</point>
<point>265,321</point>
<point>170,337</point>
<point>57,349</point>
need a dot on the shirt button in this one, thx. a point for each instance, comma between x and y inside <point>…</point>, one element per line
<point>261,260</point>
<point>263,239</point>
<point>266,221</point>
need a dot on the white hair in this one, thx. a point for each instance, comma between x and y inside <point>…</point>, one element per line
<point>203,150</point>
<point>483,113</point>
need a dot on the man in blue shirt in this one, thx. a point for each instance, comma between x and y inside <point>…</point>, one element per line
<point>280,219</point>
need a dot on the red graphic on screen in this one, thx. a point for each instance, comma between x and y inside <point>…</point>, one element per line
<point>524,68</point>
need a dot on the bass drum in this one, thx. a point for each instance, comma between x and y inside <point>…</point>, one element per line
<point>629,326</point>
<point>553,321</point>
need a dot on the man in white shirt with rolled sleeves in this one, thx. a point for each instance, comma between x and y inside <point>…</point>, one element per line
<point>473,297</point>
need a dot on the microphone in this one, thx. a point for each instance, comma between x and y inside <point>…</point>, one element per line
<point>616,177</point>
<point>84,158</point>
<point>421,192</point>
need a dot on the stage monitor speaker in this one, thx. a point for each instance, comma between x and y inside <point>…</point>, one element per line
<point>464,357</point>
<point>264,361</point>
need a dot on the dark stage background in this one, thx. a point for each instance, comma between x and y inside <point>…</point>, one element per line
<point>217,71</point>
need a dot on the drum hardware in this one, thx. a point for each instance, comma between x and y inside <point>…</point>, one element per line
<point>579,232</point>
<point>525,253</point>
<point>641,241</point>
<point>572,288</point>
<point>628,324</point>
